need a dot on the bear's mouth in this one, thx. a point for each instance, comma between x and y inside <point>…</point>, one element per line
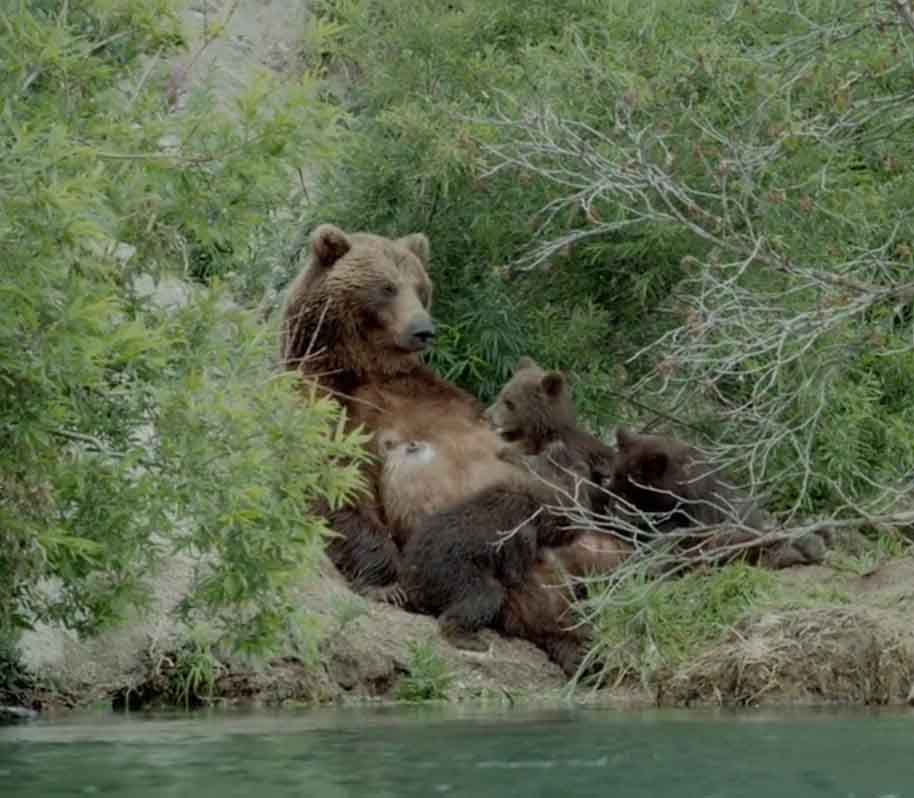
<point>508,434</point>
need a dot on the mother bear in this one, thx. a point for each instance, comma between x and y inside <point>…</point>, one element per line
<point>356,321</point>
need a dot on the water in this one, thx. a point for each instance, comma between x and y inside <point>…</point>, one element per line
<point>464,752</point>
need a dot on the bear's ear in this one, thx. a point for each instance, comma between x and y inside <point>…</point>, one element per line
<point>417,243</point>
<point>328,245</point>
<point>654,466</point>
<point>625,438</point>
<point>525,363</point>
<point>553,383</point>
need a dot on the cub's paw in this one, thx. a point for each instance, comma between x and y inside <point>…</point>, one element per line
<point>568,654</point>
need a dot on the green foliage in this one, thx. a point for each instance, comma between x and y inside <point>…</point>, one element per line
<point>772,125</point>
<point>132,430</point>
<point>649,624</point>
<point>196,669</point>
<point>428,679</point>
<point>411,161</point>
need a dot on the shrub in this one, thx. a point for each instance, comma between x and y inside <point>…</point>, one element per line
<point>428,678</point>
<point>130,430</point>
<point>644,625</point>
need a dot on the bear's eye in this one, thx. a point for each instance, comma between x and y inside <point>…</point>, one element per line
<point>509,405</point>
<point>389,289</point>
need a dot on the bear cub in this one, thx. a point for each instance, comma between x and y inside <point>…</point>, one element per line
<point>671,481</point>
<point>535,408</point>
<point>460,563</point>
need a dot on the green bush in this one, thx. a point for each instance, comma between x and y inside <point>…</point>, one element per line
<point>130,430</point>
<point>428,678</point>
<point>646,625</point>
<point>650,197</point>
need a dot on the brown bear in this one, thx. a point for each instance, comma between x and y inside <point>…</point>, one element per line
<point>535,408</point>
<point>460,561</point>
<point>355,323</point>
<point>670,481</point>
<point>489,560</point>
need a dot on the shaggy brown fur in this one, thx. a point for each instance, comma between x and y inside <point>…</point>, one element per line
<point>402,484</point>
<point>671,481</point>
<point>535,407</point>
<point>360,307</point>
<point>460,561</point>
<point>349,326</point>
<point>355,323</point>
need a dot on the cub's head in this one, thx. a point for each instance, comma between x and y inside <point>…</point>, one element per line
<point>533,405</point>
<point>650,471</point>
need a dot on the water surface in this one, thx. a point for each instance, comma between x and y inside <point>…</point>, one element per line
<point>429,751</point>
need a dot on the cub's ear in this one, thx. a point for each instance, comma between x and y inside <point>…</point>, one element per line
<point>653,466</point>
<point>525,363</point>
<point>553,383</point>
<point>328,245</point>
<point>417,243</point>
<point>625,438</point>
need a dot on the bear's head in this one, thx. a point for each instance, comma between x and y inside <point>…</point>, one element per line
<point>533,406</point>
<point>662,475</point>
<point>361,305</point>
<point>651,472</point>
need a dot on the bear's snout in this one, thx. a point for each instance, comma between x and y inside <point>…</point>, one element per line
<point>419,333</point>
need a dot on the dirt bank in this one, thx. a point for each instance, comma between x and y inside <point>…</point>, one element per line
<point>858,649</point>
<point>855,647</point>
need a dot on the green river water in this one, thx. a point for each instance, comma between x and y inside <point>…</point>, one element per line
<point>463,751</point>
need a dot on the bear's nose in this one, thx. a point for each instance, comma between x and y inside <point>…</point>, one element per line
<point>422,331</point>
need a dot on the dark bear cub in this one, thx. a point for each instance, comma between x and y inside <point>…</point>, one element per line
<point>678,488</point>
<point>536,408</point>
<point>460,562</point>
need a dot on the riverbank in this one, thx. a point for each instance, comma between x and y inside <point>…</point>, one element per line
<point>853,645</point>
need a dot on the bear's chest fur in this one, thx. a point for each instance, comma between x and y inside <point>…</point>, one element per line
<point>464,461</point>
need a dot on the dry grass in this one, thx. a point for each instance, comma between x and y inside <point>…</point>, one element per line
<point>811,656</point>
